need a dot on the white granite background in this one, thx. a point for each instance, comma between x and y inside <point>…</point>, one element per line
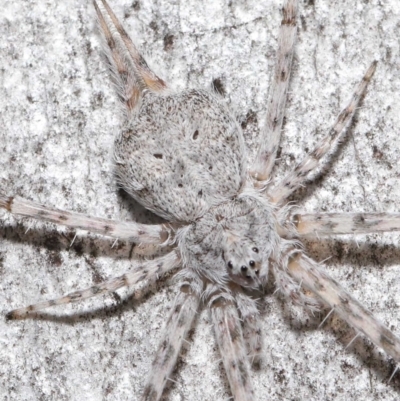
<point>59,117</point>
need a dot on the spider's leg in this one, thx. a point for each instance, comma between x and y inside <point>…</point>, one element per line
<point>292,290</point>
<point>178,324</point>
<point>130,70</point>
<point>271,134</point>
<point>313,277</point>
<point>147,270</point>
<point>228,332</point>
<point>316,224</point>
<point>251,326</point>
<point>145,249</point>
<point>299,174</point>
<point>141,233</point>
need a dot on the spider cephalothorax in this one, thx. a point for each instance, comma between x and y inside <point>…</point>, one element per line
<point>182,156</point>
<point>232,241</point>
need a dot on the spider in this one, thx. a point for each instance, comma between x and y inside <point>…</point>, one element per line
<point>228,237</point>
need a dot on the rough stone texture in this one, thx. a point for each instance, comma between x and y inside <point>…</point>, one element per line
<point>59,115</point>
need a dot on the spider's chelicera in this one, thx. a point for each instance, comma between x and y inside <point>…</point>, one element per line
<point>182,156</point>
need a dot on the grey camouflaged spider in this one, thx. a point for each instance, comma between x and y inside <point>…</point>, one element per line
<point>235,228</point>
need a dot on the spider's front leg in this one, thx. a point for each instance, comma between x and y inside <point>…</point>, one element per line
<point>313,277</point>
<point>228,332</point>
<point>178,324</point>
<point>251,326</point>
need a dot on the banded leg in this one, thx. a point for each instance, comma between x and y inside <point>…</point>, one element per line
<point>251,327</point>
<point>231,345</point>
<point>177,327</point>
<point>290,288</point>
<point>147,270</point>
<point>128,67</point>
<point>142,233</point>
<point>271,134</point>
<point>299,174</point>
<point>313,277</point>
<point>316,224</point>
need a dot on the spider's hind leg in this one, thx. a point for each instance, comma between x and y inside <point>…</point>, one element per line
<point>271,134</point>
<point>300,173</point>
<point>129,69</point>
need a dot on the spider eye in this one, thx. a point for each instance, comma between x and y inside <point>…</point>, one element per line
<point>230,265</point>
<point>244,268</point>
<point>255,249</point>
<point>252,263</point>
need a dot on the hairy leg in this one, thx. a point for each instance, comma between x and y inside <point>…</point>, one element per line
<point>313,277</point>
<point>271,134</point>
<point>141,233</point>
<point>316,224</point>
<point>290,288</point>
<point>178,324</point>
<point>129,69</point>
<point>231,345</point>
<point>300,173</point>
<point>251,326</point>
<point>143,272</point>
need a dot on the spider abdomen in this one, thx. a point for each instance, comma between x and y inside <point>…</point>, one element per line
<point>181,154</point>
